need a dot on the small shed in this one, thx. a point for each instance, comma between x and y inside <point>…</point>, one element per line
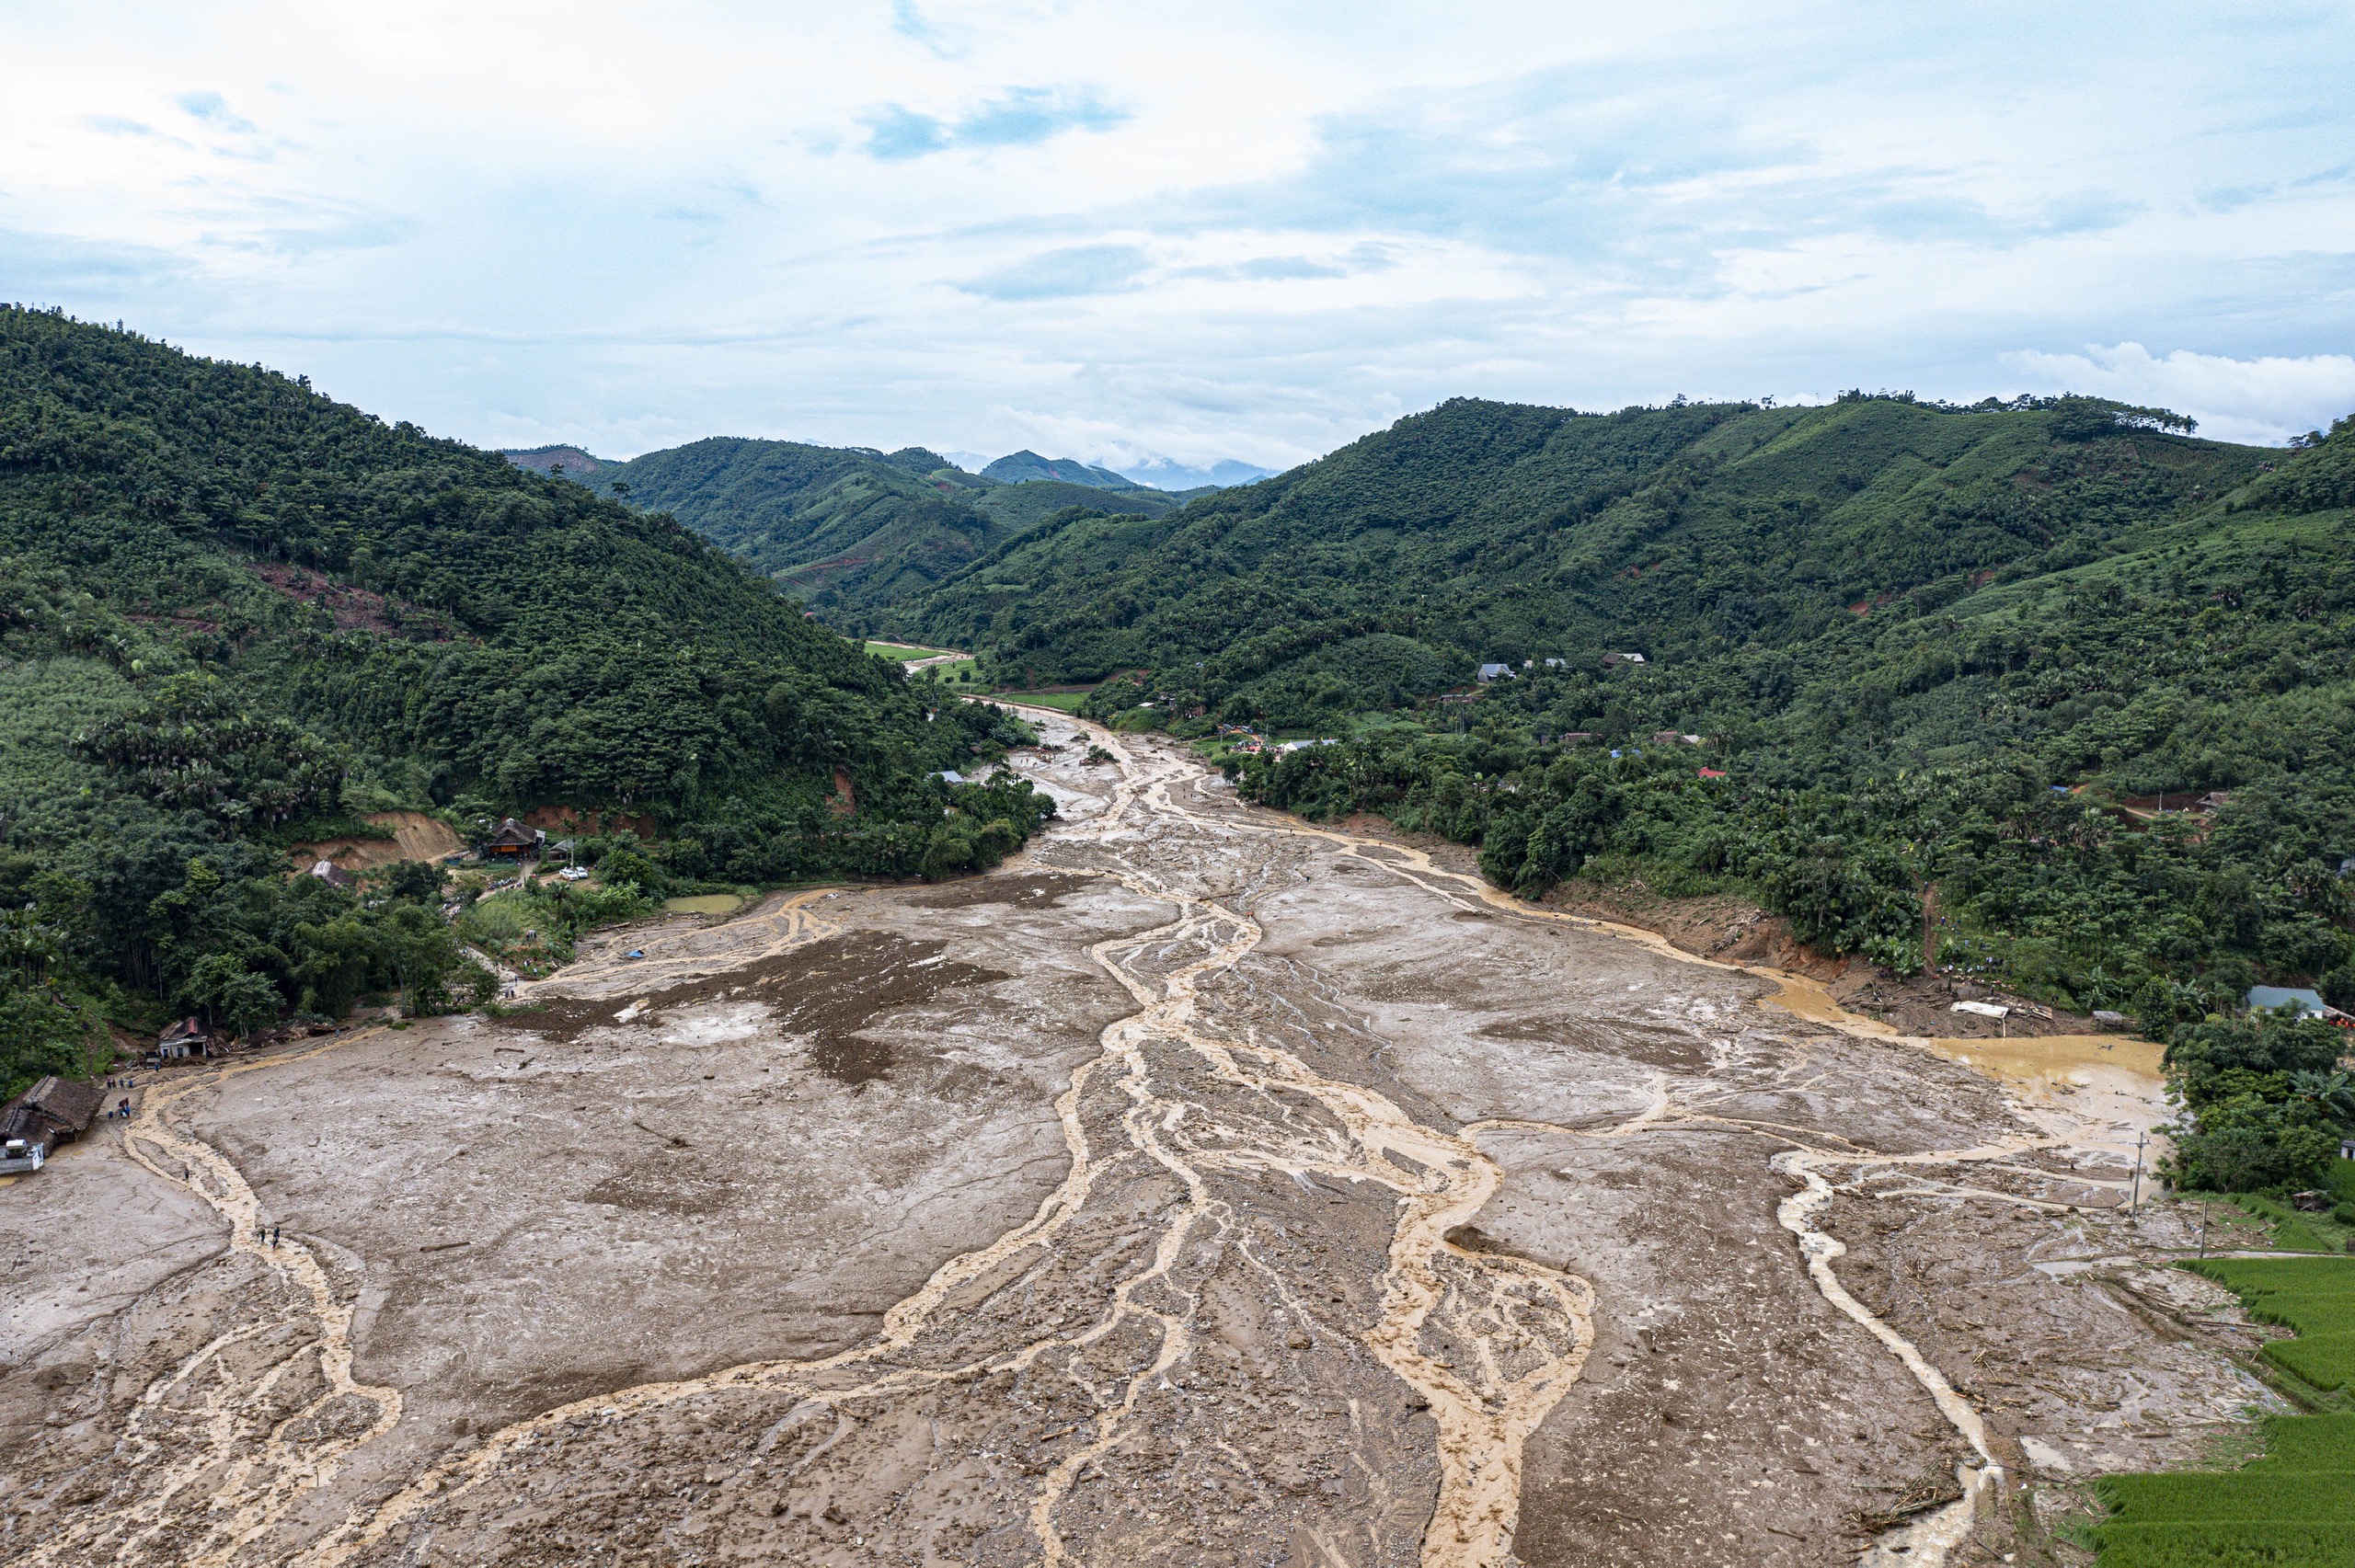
<point>183,1039</point>
<point>2214,800</point>
<point>332,874</point>
<point>513,841</point>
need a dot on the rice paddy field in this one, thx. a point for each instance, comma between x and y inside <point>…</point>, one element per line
<point>1066,701</point>
<point>2295,1507</point>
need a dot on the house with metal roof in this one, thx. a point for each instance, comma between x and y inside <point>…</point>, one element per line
<point>2279,999</point>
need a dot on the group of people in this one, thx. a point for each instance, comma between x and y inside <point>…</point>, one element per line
<point>122,1108</point>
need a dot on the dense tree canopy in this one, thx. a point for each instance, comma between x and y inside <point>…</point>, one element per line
<point>235,614</point>
<point>852,529</point>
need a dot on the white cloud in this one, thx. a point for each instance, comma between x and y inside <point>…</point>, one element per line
<point>1194,233</point>
<point>2264,400</point>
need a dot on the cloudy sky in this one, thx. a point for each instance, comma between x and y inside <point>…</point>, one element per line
<point>1129,232</point>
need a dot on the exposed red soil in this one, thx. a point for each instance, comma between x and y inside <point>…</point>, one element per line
<point>354,609</point>
<point>589,820</point>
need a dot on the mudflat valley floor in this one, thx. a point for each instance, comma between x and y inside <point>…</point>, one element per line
<point>1202,1186</point>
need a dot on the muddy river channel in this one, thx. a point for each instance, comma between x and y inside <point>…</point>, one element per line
<point>1200,1187</point>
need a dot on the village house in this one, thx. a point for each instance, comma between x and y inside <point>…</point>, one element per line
<point>185,1038</point>
<point>2279,999</point>
<point>1496,672</point>
<point>53,1111</point>
<point>332,874</point>
<point>513,841</point>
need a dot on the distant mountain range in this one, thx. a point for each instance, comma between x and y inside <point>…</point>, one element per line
<point>852,529</point>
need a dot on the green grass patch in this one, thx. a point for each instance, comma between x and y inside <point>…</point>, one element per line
<point>2295,1230</point>
<point>906,650</point>
<point>1067,701</point>
<point>2293,1507</point>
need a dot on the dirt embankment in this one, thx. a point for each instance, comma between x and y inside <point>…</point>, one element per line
<point>1733,930</point>
<point>414,836</point>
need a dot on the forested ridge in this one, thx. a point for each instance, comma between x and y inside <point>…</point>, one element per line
<point>853,531</point>
<point>2069,676</point>
<point>235,614</point>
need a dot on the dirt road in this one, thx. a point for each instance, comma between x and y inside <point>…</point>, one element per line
<point>1201,1187</point>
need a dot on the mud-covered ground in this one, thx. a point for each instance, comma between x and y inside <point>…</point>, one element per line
<point>1201,1187</point>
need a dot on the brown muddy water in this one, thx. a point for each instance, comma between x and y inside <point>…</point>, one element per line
<point>1201,1187</point>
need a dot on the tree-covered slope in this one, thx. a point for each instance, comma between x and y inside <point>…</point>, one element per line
<point>2117,774</point>
<point>233,611</point>
<point>1497,531</point>
<point>849,530</point>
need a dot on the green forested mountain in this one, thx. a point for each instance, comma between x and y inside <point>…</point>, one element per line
<point>559,458</point>
<point>1490,531</point>
<point>234,614</point>
<point>2072,682</point>
<point>849,530</point>
<point>1024,466</point>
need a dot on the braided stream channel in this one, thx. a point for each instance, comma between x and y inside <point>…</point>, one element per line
<point>1560,1281</point>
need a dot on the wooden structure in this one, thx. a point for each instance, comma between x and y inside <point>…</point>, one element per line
<point>53,1111</point>
<point>513,841</point>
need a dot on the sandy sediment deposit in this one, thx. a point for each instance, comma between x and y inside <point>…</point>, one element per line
<point>1200,1187</point>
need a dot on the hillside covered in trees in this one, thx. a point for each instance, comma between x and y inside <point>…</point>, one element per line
<point>235,614</point>
<point>2075,680</point>
<point>848,529</point>
<point>1489,532</point>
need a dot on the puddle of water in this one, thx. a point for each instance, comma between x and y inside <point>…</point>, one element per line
<point>705,904</point>
<point>1810,1000</point>
<point>2074,1062</point>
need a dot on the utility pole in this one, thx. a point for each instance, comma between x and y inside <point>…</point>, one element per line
<point>2134,1204</point>
<point>2203,1229</point>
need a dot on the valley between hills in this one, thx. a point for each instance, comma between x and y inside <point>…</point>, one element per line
<point>1197,1187</point>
